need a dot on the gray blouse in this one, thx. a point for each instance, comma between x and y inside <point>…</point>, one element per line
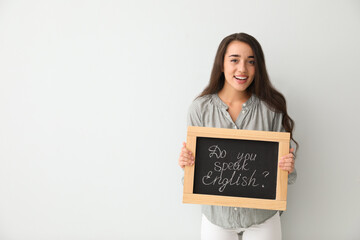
<point>211,111</point>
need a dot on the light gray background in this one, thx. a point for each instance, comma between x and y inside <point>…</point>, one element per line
<point>93,104</point>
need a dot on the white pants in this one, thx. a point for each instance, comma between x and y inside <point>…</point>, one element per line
<point>269,230</point>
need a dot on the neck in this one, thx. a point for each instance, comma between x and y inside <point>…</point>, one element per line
<point>231,95</point>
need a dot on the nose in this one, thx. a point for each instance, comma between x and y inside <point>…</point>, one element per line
<point>242,67</point>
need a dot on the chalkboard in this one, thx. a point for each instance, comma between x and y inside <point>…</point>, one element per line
<point>236,168</point>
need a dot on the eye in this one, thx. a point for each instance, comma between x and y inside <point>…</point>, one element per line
<point>252,62</point>
<point>234,60</point>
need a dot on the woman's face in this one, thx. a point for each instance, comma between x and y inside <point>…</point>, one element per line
<point>239,66</point>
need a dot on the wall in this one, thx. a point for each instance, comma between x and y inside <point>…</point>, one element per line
<point>93,103</point>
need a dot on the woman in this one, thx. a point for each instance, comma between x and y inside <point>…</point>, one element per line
<point>240,96</point>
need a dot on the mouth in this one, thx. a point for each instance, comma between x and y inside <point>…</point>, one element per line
<point>241,79</point>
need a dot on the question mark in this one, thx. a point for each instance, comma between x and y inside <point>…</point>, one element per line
<point>265,173</point>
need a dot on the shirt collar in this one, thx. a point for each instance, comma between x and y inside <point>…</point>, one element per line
<point>220,104</point>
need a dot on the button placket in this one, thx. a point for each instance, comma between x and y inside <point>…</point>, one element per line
<point>241,116</point>
<point>227,114</point>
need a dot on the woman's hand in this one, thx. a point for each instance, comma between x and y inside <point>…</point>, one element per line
<point>186,157</point>
<point>287,162</point>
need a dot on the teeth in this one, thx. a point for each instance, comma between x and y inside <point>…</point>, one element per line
<point>241,78</point>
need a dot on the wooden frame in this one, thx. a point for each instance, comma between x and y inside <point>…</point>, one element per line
<point>283,138</point>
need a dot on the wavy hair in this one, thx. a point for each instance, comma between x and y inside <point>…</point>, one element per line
<point>261,85</point>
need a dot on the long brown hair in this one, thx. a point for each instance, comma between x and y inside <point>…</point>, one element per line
<point>261,85</point>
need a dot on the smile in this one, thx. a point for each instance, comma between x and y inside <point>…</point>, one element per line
<point>240,78</point>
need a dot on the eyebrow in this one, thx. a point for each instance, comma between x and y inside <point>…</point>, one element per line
<point>237,55</point>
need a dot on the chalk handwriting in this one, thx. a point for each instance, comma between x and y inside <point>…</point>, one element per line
<point>215,150</point>
<point>227,173</point>
<point>235,179</point>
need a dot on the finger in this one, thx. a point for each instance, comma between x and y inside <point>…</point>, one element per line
<point>287,164</point>
<point>187,155</point>
<point>187,160</point>
<point>181,162</point>
<point>285,167</point>
<point>184,163</point>
<point>183,146</point>
<point>289,168</point>
<point>287,159</point>
<point>288,156</point>
<point>189,152</point>
<point>184,149</point>
<point>292,152</point>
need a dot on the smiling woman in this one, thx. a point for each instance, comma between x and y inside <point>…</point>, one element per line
<point>240,96</point>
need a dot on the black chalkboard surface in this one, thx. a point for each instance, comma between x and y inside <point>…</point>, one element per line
<point>234,167</point>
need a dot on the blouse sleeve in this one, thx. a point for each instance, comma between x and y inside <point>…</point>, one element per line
<point>278,127</point>
<point>194,115</point>
<point>193,119</point>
